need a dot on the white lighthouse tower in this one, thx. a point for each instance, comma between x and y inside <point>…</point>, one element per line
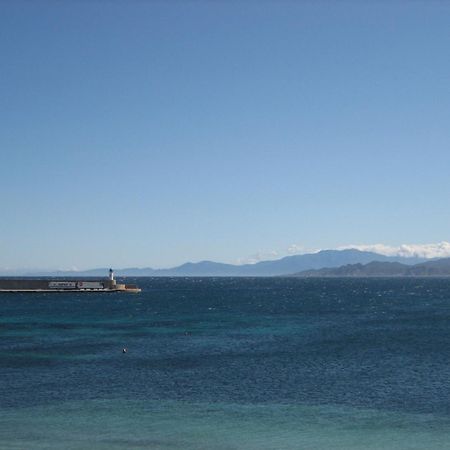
<point>112,281</point>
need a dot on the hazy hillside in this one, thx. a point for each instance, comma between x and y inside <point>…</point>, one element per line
<point>283,266</point>
<point>435,268</point>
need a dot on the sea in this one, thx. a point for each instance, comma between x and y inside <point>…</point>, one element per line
<point>229,363</point>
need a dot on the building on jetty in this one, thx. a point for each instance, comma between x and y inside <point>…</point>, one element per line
<point>66,285</point>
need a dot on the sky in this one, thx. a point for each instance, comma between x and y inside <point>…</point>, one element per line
<point>148,134</point>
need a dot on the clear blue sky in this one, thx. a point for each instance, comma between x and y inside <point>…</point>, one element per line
<point>152,133</point>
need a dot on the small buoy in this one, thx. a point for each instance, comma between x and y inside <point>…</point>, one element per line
<point>124,350</point>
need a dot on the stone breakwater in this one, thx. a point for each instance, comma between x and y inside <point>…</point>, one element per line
<point>64,285</point>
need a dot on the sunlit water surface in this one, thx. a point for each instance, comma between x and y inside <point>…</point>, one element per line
<point>229,364</point>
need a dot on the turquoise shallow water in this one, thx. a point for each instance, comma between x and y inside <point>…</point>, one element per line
<point>162,425</point>
<point>229,364</point>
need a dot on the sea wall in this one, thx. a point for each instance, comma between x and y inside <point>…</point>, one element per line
<point>46,284</point>
<point>23,284</point>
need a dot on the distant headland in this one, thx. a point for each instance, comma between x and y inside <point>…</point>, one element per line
<point>434,268</point>
<point>300,265</point>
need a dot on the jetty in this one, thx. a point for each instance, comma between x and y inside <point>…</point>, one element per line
<point>108,284</point>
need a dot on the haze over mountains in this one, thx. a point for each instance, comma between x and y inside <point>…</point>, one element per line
<point>435,268</point>
<point>284,266</point>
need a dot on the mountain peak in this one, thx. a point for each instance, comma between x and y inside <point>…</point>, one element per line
<point>284,266</point>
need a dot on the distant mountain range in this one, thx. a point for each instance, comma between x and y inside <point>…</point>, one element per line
<point>435,268</point>
<point>284,266</point>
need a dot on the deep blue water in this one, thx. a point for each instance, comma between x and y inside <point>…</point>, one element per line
<point>229,363</point>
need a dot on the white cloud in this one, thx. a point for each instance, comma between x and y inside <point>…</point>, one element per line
<point>438,250</point>
<point>259,256</point>
<point>296,249</point>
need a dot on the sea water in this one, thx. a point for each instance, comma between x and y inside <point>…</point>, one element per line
<point>229,363</point>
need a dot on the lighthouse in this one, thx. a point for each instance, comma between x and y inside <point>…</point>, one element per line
<point>111,275</point>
